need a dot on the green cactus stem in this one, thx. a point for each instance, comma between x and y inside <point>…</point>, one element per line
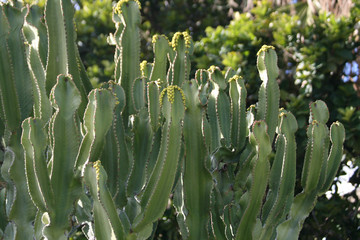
<point>162,178</point>
<point>259,181</point>
<point>182,46</point>
<point>107,222</point>
<point>197,178</point>
<point>62,50</point>
<point>269,93</point>
<point>127,20</point>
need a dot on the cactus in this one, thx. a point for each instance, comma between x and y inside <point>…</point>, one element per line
<point>111,159</point>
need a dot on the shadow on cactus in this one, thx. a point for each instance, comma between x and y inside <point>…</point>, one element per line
<point>109,161</point>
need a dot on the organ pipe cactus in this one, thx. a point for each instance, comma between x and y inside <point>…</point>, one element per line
<point>108,161</point>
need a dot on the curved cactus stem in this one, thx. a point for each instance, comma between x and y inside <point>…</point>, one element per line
<point>19,207</point>
<point>237,94</point>
<point>155,148</point>
<point>197,178</point>
<point>34,189</point>
<point>305,201</point>
<point>316,151</point>
<point>97,121</point>
<point>180,61</point>
<point>213,120</point>
<point>161,49</point>
<point>217,224</point>
<point>141,146</point>
<point>269,93</point>
<point>116,156</point>
<point>107,221</point>
<point>224,117</point>
<point>34,18</point>
<point>116,37</point>
<point>15,105</point>
<point>65,134</point>
<point>157,190</point>
<point>219,110</point>
<point>337,136</point>
<point>202,79</point>
<point>38,225</point>
<point>38,179</point>
<point>42,106</point>
<point>15,85</point>
<point>282,177</point>
<point>259,181</point>
<point>179,205</point>
<point>319,112</point>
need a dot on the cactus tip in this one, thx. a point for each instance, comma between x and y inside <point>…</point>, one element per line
<point>235,78</point>
<point>118,6</point>
<point>212,69</point>
<point>143,67</point>
<point>171,94</point>
<point>251,107</point>
<point>264,48</point>
<point>176,37</point>
<point>156,37</point>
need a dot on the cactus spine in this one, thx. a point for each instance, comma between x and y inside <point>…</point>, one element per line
<point>108,159</point>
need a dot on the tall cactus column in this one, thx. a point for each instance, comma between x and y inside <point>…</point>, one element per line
<point>269,93</point>
<point>197,178</point>
<point>159,186</point>
<point>16,105</point>
<point>127,36</point>
<point>62,50</point>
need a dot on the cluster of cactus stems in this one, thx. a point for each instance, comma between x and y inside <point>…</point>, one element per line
<point>106,161</point>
